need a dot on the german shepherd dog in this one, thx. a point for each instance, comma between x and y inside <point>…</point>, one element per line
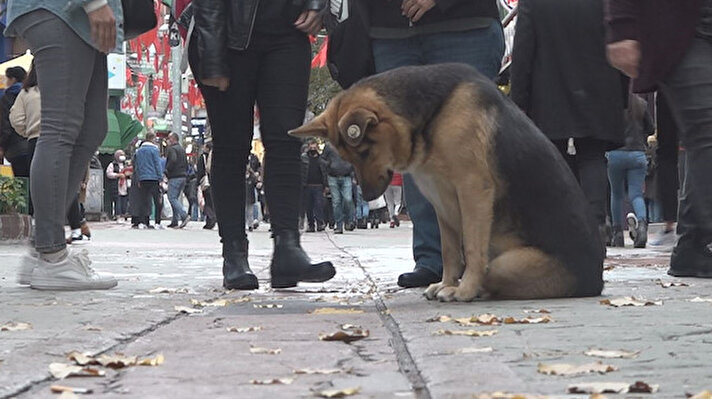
<point>514,222</point>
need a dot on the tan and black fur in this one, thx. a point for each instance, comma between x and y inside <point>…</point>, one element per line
<point>513,221</point>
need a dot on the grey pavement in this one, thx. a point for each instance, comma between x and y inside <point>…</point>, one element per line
<point>401,358</point>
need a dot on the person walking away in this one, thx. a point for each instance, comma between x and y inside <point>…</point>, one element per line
<point>425,32</point>
<point>116,173</point>
<point>203,177</point>
<point>667,45</point>
<point>340,175</point>
<point>149,173</point>
<point>393,196</point>
<point>191,191</point>
<point>69,41</point>
<point>176,170</point>
<point>362,209</point>
<point>561,79</point>
<point>242,53</point>
<point>315,186</point>
<point>14,147</point>
<point>630,164</point>
<point>25,116</point>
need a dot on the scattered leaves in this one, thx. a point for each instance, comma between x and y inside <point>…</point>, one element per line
<point>469,333</point>
<point>528,320</point>
<point>164,290</point>
<point>668,284</point>
<point>243,329</point>
<point>628,301</point>
<point>81,359</point>
<point>336,311</point>
<point>273,381</point>
<point>219,302</point>
<point>61,371</point>
<point>15,326</point>
<point>269,306</point>
<point>439,319</point>
<point>62,388</point>
<point>571,369</point>
<point>612,387</point>
<point>540,311</point>
<point>611,354</point>
<point>187,310</point>
<point>317,371</point>
<point>117,361</point>
<point>698,299</point>
<point>264,351</point>
<point>483,319</point>
<point>350,335</point>
<point>152,361</point>
<point>702,395</point>
<point>339,393</point>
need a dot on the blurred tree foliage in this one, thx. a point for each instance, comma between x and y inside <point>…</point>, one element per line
<point>321,87</point>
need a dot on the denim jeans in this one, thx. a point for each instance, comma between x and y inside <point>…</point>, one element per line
<point>342,198</point>
<point>175,189</point>
<point>361,205</point>
<point>688,90</point>
<point>630,166</point>
<point>314,204</point>
<point>480,48</point>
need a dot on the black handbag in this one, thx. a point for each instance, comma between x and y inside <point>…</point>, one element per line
<point>349,56</point>
<point>139,17</point>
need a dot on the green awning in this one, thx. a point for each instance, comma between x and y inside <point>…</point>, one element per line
<point>122,129</point>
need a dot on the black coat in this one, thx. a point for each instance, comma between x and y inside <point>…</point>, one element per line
<point>560,76</point>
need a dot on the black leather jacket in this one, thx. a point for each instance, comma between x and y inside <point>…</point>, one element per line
<point>228,24</point>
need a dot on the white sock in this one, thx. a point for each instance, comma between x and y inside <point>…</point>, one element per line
<point>55,257</point>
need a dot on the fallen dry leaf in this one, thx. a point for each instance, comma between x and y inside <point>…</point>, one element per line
<point>528,320</point>
<point>336,311</point>
<point>628,301</point>
<point>219,302</point>
<point>269,306</point>
<point>474,349</point>
<point>504,395</point>
<point>68,395</point>
<point>152,361</point>
<point>265,351</point>
<point>273,381</point>
<point>350,327</point>
<point>571,369</point>
<point>317,371</point>
<point>81,359</point>
<point>117,361</point>
<point>541,311</point>
<point>469,333</point>
<point>92,328</point>
<point>668,284</point>
<point>345,336</point>
<point>164,290</point>
<point>243,329</point>
<point>14,326</point>
<point>339,393</point>
<point>483,319</point>
<point>439,319</point>
<point>612,387</point>
<point>611,354</point>
<point>702,395</point>
<point>698,299</point>
<point>187,310</point>
<point>62,388</point>
<point>608,268</point>
<point>61,371</point>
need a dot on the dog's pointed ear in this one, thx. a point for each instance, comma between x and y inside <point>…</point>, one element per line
<point>316,128</point>
<point>353,125</point>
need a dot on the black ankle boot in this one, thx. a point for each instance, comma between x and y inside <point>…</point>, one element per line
<point>641,237</point>
<point>290,264</point>
<point>237,274</point>
<point>617,240</point>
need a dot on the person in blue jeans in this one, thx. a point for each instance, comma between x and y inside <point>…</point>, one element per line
<point>423,32</point>
<point>176,171</point>
<point>630,164</point>
<point>340,175</point>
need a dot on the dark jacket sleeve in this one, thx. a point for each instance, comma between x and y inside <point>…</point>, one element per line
<point>523,55</point>
<point>315,5</point>
<point>621,17</point>
<point>170,158</point>
<point>324,172</point>
<point>648,125</point>
<point>201,168</point>
<point>211,33</point>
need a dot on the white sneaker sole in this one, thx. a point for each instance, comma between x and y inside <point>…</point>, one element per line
<point>54,284</point>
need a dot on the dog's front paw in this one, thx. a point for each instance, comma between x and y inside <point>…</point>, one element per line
<point>465,294</point>
<point>432,291</point>
<point>447,294</point>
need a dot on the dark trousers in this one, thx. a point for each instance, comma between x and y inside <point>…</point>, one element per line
<point>150,190</point>
<point>314,204</point>
<point>591,170</point>
<point>667,160</point>
<point>689,92</point>
<point>274,73</point>
<point>75,214</point>
<point>208,208</point>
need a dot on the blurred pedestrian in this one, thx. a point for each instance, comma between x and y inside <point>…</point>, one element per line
<point>176,172</point>
<point>203,177</point>
<point>393,196</point>
<point>25,117</point>
<point>148,172</point>
<point>118,175</point>
<point>340,175</point>
<point>14,147</point>
<point>315,185</point>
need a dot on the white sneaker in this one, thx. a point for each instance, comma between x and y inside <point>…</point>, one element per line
<point>28,262</point>
<point>632,225</point>
<point>72,274</point>
<point>663,239</point>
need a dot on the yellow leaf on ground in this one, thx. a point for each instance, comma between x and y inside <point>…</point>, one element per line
<point>339,393</point>
<point>317,371</point>
<point>14,326</point>
<point>265,351</point>
<point>345,336</point>
<point>273,381</point>
<point>439,319</point>
<point>336,311</point>
<point>243,329</point>
<point>152,361</point>
<point>628,301</point>
<point>469,333</point>
<point>572,369</point>
<point>81,359</point>
<point>698,299</point>
<point>117,361</point>
<point>61,388</point>
<point>612,387</point>
<point>61,371</point>
<point>668,284</point>
<point>483,319</point>
<point>611,354</point>
<point>702,395</point>
<point>269,306</point>
<point>187,310</point>
<point>528,320</point>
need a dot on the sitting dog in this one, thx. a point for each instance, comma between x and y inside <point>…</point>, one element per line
<point>513,220</point>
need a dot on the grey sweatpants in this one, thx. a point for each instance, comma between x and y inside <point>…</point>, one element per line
<point>73,80</point>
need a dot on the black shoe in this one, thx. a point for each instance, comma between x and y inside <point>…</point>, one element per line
<point>172,225</point>
<point>617,240</point>
<point>350,226</point>
<point>311,229</point>
<point>420,277</point>
<point>237,274</point>
<point>362,224</point>
<point>290,264</point>
<point>209,226</point>
<point>691,260</point>
<point>641,236</point>
<point>320,227</point>
<point>339,230</point>
<point>396,221</point>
